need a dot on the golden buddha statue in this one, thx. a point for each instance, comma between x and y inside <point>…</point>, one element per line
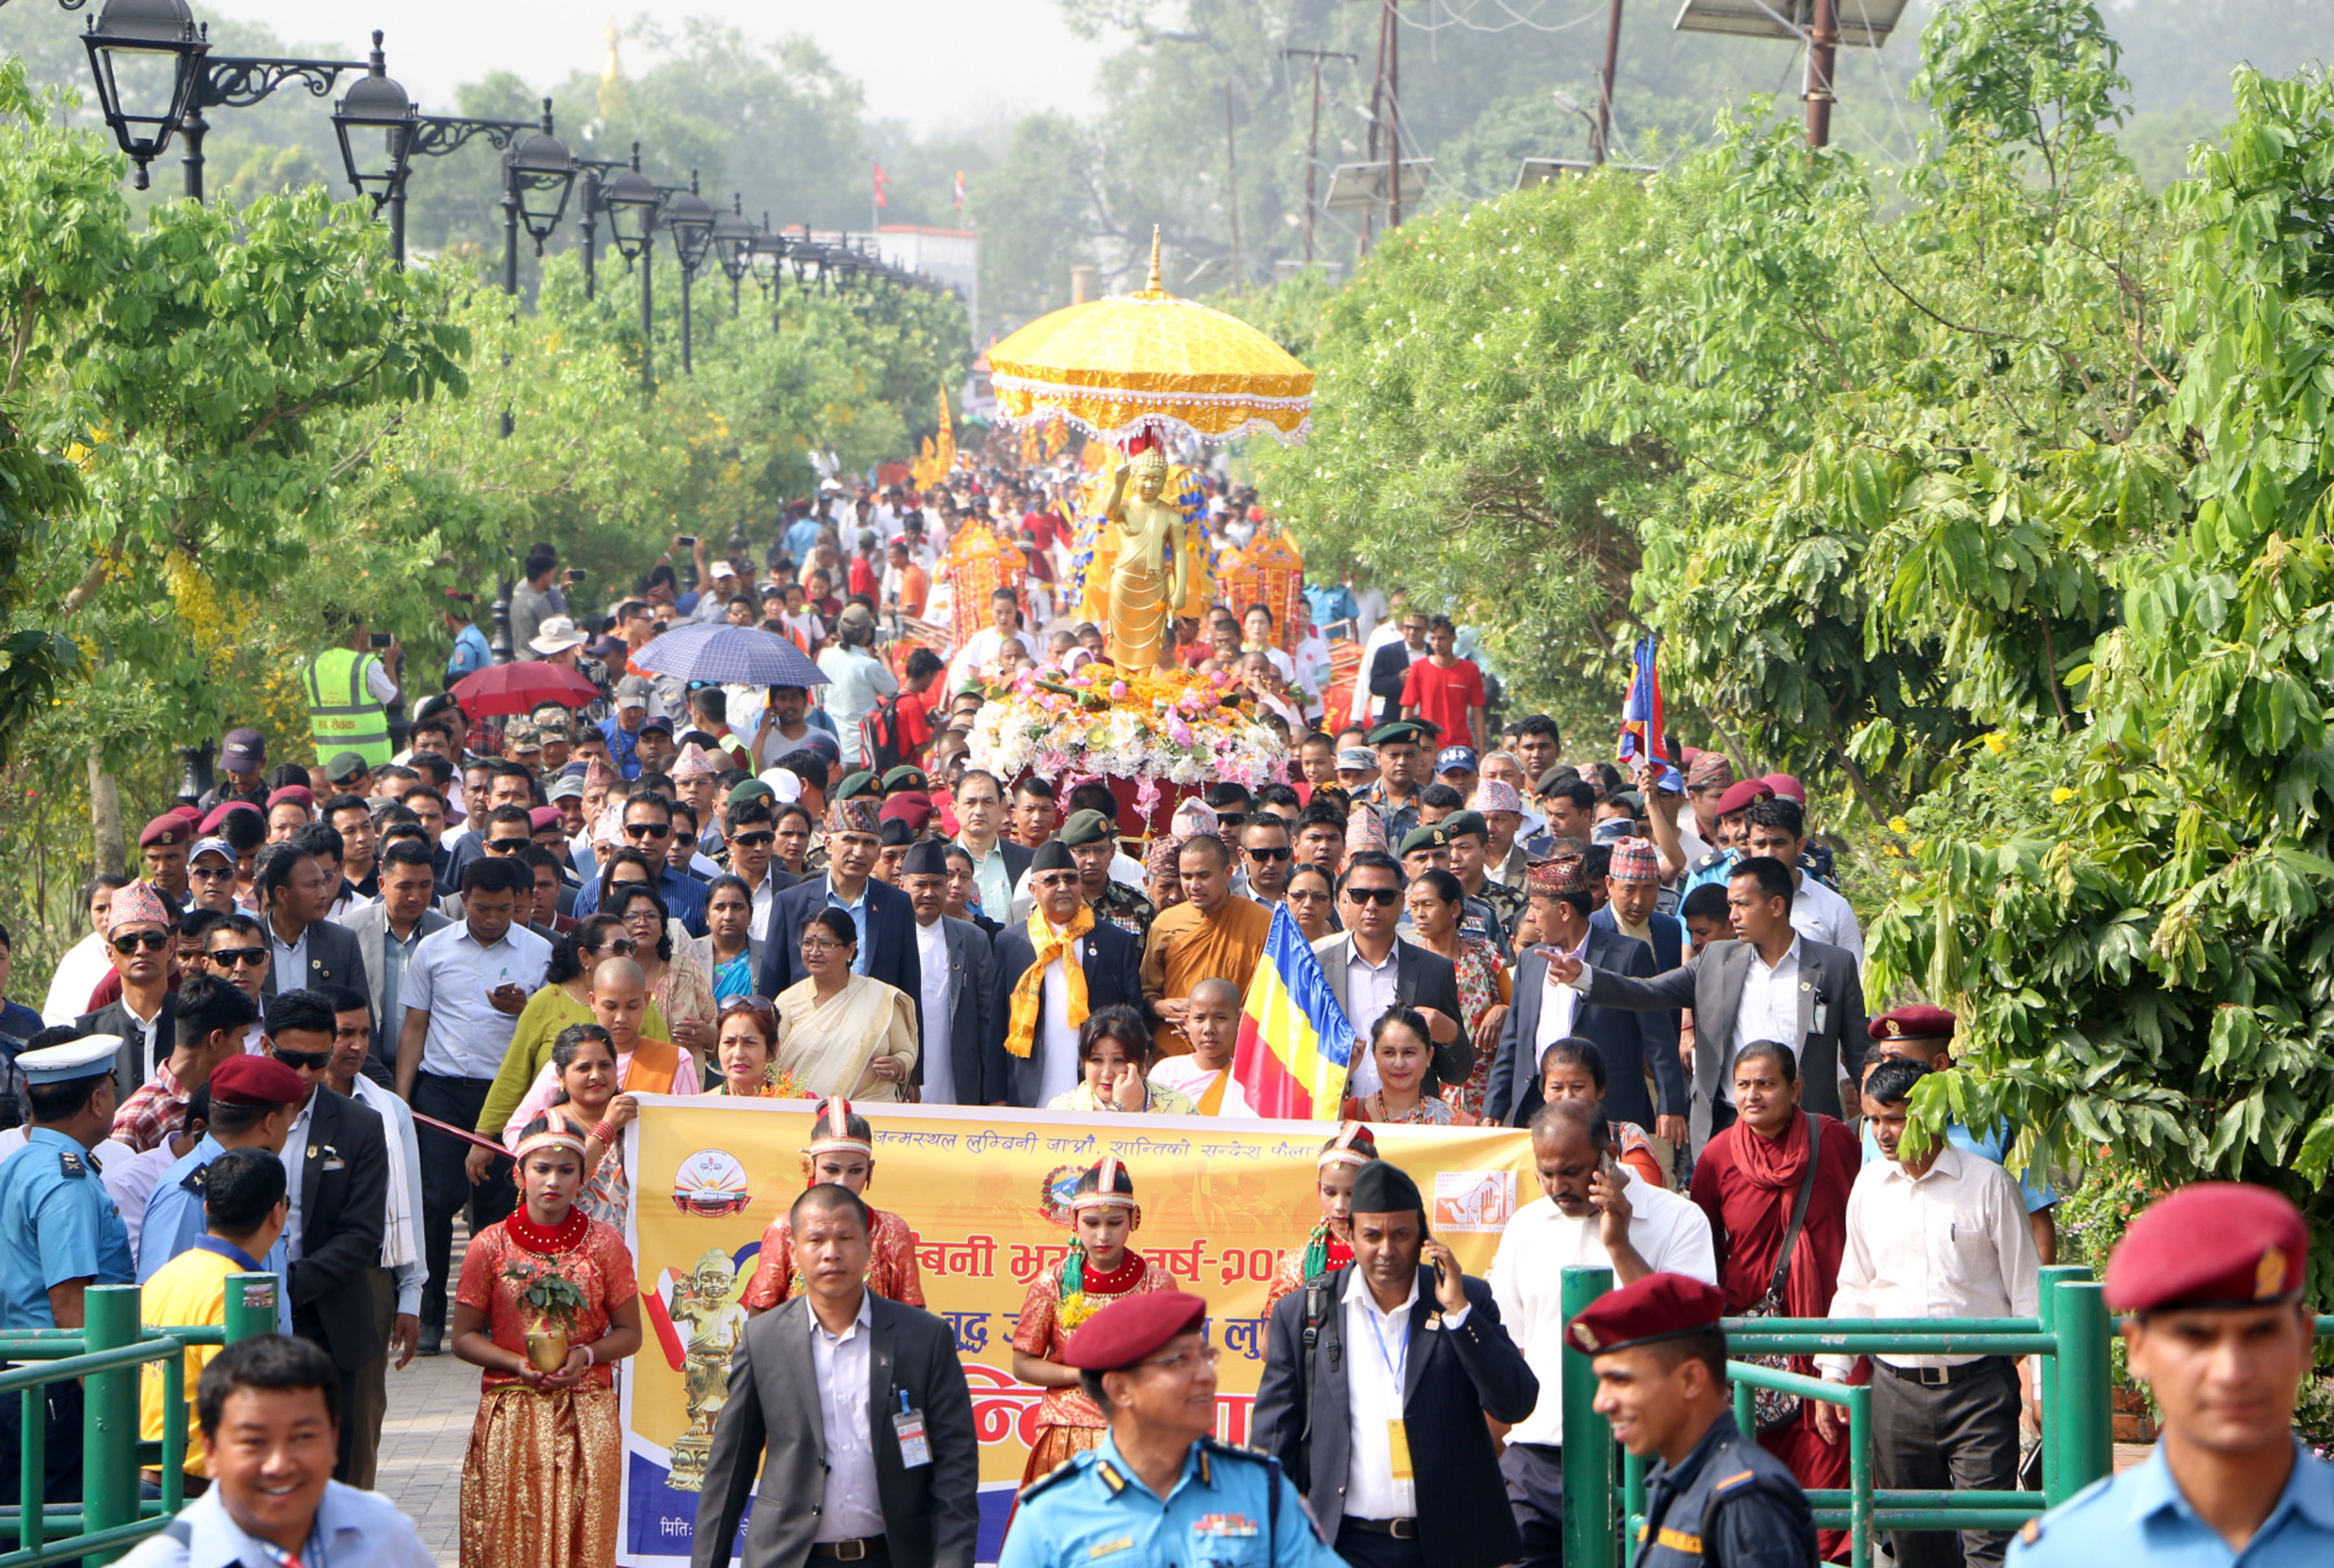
<point>1148,576</point>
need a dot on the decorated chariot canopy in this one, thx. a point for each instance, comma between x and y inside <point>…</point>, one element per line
<point>1151,361</point>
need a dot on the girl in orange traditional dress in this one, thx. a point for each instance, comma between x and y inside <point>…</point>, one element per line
<point>1331,1244</point>
<point>1101,1268</point>
<point>545,1463</point>
<point>842,1151</point>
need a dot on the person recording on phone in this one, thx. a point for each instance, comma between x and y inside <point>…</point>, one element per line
<point>538,598</point>
<point>1596,1212</point>
<point>1377,1380</point>
<point>349,687</point>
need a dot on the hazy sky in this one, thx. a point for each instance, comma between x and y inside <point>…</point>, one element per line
<point>933,62</point>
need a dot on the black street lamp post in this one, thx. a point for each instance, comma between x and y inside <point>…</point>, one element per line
<point>632,199</point>
<point>538,175</point>
<point>689,217</point>
<point>127,42</point>
<point>734,235</point>
<point>593,177</point>
<point>767,255</point>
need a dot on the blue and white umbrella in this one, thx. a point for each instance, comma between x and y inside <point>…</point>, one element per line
<point>728,656</point>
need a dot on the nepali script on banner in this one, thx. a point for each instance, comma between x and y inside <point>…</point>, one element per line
<point>1221,1200</point>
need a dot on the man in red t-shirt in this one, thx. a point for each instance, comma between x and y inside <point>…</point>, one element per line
<point>1445,690</point>
<point>922,669</point>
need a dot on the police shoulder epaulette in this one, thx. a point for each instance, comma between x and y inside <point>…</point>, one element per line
<point>1059,1474</point>
<point>1215,1445</point>
<point>71,1165</point>
<point>1110,1476</point>
<point>193,1182</point>
<point>1714,858</point>
<point>1739,1479</point>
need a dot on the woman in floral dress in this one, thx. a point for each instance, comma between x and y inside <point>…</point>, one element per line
<point>545,1468</point>
<point>1406,1094</point>
<point>1100,1268</point>
<point>1331,1244</point>
<point>1435,902</point>
<point>842,1151</point>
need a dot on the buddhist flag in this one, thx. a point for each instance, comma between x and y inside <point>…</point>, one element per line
<point>881,180</point>
<point>1643,726</point>
<point>960,190</point>
<point>1295,1041</point>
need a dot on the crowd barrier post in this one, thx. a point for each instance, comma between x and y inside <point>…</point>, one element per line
<point>1589,1541</point>
<point>109,1414</point>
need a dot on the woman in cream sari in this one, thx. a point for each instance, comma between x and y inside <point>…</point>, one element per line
<point>844,1033</point>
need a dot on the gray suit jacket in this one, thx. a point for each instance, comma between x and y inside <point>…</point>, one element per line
<point>773,1421</point>
<point>971,979</point>
<point>370,926</point>
<point>332,960</point>
<point>1831,1038</point>
<point>1421,979</point>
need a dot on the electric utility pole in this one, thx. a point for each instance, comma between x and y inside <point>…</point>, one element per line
<point>1313,138</point>
<point>1231,189</point>
<point>1823,46</point>
<point>1597,154</point>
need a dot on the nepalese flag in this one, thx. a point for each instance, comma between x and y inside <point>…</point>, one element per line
<point>1295,1041</point>
<point>1642,720</point>
<point>882,179</point>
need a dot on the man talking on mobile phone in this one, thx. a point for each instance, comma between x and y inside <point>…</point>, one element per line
<point>1376,1381</point>
<point>1594,1211</point>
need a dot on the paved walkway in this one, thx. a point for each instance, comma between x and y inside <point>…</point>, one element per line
<point>432,1404</point>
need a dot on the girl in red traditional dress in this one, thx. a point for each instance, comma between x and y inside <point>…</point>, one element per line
<point>541,1480</point>
<point>1331,1244</point>
<point>842,1151</point>
<point>1101,1268</point>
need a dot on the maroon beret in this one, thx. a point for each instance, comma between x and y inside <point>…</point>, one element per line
<point>210,825</point>
<point>542,817</point>
<point>169,827</point>
<point>1922,1022</point>
<point>912,807</point>
<point>256,1081</point>
<point>1744,796</point>
<point>1784,784</point>
<point>1133,1327</point>
<point>2217,1244</point>
<point>299,793</point>
<point>1659,1306</point>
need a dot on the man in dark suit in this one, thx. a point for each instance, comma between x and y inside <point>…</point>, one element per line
<point>1633,887</point>
<point>1030,1067</point>
<point>398,920</point>
<point>856,1413</point>
<point>1413,1358</point>
<point>1769,984</point>
<point>1370,969</point>
<point>141,927</point>
<point>886,921</point>
<point>956,964</point>
<point>307,951</point>
<point>997,861</point>
<point>1391,663</point>
<point>1545,1012</point>
<point>337,1163</point>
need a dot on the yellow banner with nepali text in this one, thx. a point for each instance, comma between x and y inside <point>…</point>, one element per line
<point>1221,1200</point>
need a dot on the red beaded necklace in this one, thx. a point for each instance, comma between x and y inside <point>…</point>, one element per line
<point>564,1237</point>
<point>1118,1281</point>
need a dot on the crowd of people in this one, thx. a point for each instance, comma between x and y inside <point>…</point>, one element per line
<point>409,974</point>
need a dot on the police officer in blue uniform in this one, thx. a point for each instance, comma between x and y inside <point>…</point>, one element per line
<point>2212,1279</point>
<point>1159,1491</point>
<point>1716,1497</point>
<point>64,1233</point>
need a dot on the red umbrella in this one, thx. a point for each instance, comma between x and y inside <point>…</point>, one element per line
<point>511,688</point>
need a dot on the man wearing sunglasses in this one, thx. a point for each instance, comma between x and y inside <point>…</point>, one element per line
<point>751,850</point>
<point>648,826</point>
<point>336,1166</point>
<point>1264,843</point>
<point>234,948</point>
<point>138,927</point>
<point>210,873</point>
<point>1370,969</point>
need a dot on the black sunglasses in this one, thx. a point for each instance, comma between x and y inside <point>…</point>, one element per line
<point>753,841</point>
<point>305,1060</point>
<point>1281,854</point>
<point>647,830</point>
<point>506,846</point>
<point>1383,897</point>
<point>229,958</point>
<point>152,941</point>
<point>685,841</point>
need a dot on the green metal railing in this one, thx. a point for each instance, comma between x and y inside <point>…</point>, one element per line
<point>2071,1336</point>
<point>106,1354</point>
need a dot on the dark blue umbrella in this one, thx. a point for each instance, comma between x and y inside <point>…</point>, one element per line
<point>728,656</point>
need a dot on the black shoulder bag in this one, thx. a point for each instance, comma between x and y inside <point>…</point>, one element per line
<point>1316,1295</point>
<point>1771,1408</point>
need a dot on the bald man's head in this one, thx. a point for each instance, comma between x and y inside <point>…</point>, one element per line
<point>1216,994</point>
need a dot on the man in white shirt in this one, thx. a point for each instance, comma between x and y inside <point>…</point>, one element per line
<point>1940,1234</point>
<point>857,681</point>
<point>954,962</point>
<point>465,988</point>
<point>998,863</point>
<point>1594,1212</point>
<point>1778,829</point>
<point>1000,640</point>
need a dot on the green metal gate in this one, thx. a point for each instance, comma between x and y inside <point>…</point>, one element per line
<point>106,1354</point>
<point>2071,1337</point>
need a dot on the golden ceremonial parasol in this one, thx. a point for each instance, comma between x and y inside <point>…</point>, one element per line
<point>1149,361</point>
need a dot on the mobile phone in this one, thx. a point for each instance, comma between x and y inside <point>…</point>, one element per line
<point>576,574</point>
<point>380,640</point>
<point>686,541</point>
